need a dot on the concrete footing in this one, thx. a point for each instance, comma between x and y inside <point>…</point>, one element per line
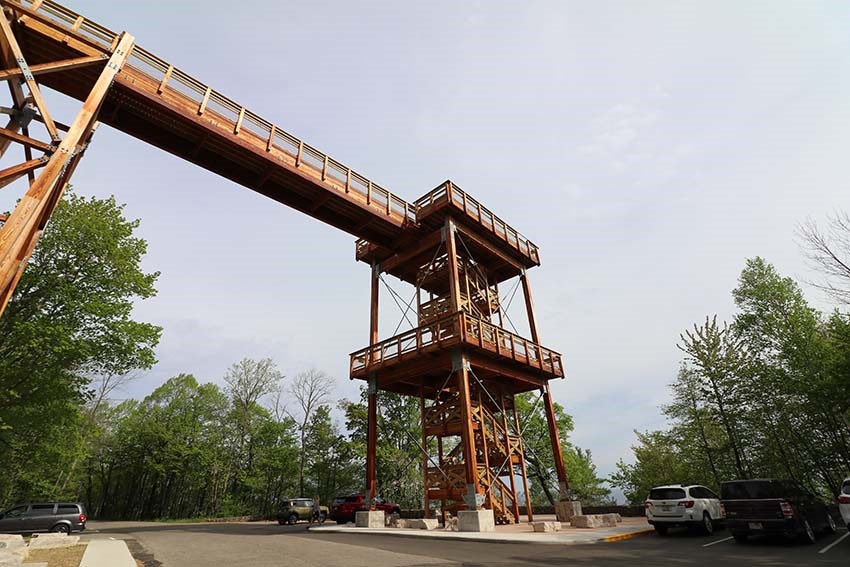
<point>370,519</point>
<point>476,521</point>
<point>566,509</point>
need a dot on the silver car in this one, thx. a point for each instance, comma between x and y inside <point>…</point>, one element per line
<point>844,502</point>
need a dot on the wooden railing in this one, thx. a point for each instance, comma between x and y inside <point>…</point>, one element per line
<point>450,193</point>
<point>459,327</point>
<point>238,119</point>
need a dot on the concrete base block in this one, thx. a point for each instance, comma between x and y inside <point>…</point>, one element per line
<point>451,524</point>
<point>476,521</point>
<point>369,519</point>
<point>610,520</point>
<point>425,524</point>
<point>8,559</point>
<point>592,521</point>
<point>11,541</point>
<point>546,527</point>
<point>566,509</point>
<point>52,541</point>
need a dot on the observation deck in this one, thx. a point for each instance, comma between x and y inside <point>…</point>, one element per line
<point>422,357</point>
<point>490,239</point>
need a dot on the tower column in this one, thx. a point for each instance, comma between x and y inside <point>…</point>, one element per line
<point>372,391</point>
<point>473,490</point>
<point>554,437</point>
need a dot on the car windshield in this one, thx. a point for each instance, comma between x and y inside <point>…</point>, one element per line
<point>755,490</point>
<point>666,494</point>
<point>846,488</point>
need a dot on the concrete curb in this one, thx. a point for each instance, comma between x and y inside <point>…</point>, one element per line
<point>488,537</point>
<point>622,537</point>
<point>107,553</point>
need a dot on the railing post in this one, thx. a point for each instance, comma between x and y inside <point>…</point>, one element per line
<point>369,193</point>
<point>348,180</point>
<point>300,151</point>
<point>325,168</point>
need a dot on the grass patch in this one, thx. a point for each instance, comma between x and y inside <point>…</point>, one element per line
<point>59,557</point>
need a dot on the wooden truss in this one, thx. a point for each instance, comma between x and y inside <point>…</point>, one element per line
<point>50,173</point>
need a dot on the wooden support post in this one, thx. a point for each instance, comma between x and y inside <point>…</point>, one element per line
<point>372,426</point>
<point>30,214</point>
<point>460,365</point>
<point>426,502</point>
<point>528,508</point>
<point>9,39</point>
<point>372,442</point>
<point>165,79</point>
<point>529,307</point>
<point>552,422</point>
<point>451,251</point>
<point>555,438</point>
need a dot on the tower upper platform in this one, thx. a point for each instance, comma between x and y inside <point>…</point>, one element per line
<point>501,250</point>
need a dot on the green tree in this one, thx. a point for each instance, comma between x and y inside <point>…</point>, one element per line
<point>69,321</point>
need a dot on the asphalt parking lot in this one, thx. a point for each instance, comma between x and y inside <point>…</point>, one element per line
<point>267,544</point>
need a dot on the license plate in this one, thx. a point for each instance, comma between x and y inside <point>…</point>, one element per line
<point>666,508</point>
<point>755,525</point>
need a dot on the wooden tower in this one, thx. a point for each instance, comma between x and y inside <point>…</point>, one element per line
<point>461,361</point>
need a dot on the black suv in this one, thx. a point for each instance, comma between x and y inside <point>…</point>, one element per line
<point>768,506</point>
<point>65,517</point>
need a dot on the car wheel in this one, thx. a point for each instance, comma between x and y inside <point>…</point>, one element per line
<point>808,535</point>
<point>293,519</point>
<point>61,529</point>
<point>661,530</point>
<point>707,524</point>
<point>740,537</point>
<point>831,528</point>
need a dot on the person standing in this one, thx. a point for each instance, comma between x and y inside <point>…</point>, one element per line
<point>317,511</point>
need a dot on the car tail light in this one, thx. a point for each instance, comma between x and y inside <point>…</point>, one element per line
<point>787,509</point>
<point>844,499</point>
<point>687,503</point>
<point>722,510</point>
<point>82,517</point>
<point>647,504</point>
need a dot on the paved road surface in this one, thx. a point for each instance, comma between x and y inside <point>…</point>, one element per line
<point>266,545</point>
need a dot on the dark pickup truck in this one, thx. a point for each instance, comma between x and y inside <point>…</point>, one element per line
<point>767,506</point>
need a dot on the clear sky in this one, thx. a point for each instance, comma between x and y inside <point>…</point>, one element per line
<point>648,148</point>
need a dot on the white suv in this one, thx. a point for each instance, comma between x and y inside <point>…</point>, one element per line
<point>683,505</point>
<point>844,502</point>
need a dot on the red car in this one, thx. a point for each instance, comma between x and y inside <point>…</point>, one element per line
<point>344,507</point>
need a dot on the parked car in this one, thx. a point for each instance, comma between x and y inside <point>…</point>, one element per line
<point>299,509</point>
<point>692,505</point>
<point>770,506</point>
<point>65,517</point>
<point>344,508</point>
<point>844,502</point>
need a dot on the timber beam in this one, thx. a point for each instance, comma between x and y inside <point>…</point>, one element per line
<point>426,244</point>
<point>54,67</point>
<point>26,140</point>
<point>15,172</point>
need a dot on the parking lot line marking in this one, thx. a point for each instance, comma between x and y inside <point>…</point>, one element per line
<point>833,544</point>
<point>718,541</point>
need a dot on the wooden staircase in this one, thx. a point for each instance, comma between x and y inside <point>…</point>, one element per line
<point>498,452</point>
